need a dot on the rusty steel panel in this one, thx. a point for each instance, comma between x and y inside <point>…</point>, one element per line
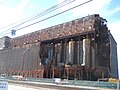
<point>20,58</point>
<point>113,57</point>
<point>73,49</point>
<point>62,30</point>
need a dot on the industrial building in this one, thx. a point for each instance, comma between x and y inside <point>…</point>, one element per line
<point>82,49</point>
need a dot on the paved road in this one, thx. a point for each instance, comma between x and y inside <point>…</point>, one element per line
<point>44,86</point>
<point>47,86</point>
<point>24,87</point>
<point>28,85</point>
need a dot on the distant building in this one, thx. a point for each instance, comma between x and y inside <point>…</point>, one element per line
<point>4,42</point>
<point>82,49</point>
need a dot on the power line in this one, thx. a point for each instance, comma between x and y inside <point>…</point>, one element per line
<point>35,15</point>
<point>52,16</point>
<point>49,10</point>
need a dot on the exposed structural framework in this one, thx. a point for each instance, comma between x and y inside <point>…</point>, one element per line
<point>82,49</point>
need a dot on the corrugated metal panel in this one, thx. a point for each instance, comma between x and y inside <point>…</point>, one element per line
<point>113,57</point>
<point>14,58</point>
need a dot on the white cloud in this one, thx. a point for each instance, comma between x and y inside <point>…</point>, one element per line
<point>10,15</point>
<point>93,7</point>
<point>115,10</point>
<point>33,6</point>
<point>19,9</point>
<point>107,12</point>
<point>114,28</point>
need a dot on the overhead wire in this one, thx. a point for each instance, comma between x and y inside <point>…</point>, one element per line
<point>49,10</point>
<point>52,16</point>
<point>35,16</point>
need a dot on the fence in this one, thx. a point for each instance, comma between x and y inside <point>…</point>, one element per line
<point>97,84</point>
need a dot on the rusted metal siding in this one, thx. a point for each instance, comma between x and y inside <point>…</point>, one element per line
<point>73,49</point>
<point>113,58</point>
<point>20,58</point>
<point>62,30</point>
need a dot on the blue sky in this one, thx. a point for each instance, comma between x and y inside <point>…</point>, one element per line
<point>16,10</point>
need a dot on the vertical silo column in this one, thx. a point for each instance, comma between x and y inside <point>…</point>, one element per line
<point>93,53</point>
<point>78,52</point>
<point>79,49</point>
<point>57,50</point>
<point>86,52</point>
<point>66,53</point>
<point>71,51</point>
<point>61,52</point>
